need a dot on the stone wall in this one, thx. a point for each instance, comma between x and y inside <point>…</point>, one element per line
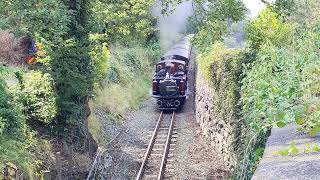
<point>220,133</point>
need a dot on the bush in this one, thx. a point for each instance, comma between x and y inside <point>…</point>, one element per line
<point>31,155</point>
<point>270,87</point>
<point>280,86</point>
<point>100,56</point>
<point>38,97</point>
<point>268,27</point>
<point>221,64</point>
<point>128,78</point>
<point>221,67</point>
<point>18,144</point>
<point>12,132</point>
<point>12,121</point>
<point>14,151</point>
<point>72,71</point>
<point>126,85</point>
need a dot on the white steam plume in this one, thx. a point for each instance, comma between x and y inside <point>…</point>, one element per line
<point>172,26</point>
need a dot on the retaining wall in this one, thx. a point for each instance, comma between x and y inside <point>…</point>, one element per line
<point>221,134</point>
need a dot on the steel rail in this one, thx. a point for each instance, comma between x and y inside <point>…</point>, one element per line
<point>166,150</point>
<point>150,146</point>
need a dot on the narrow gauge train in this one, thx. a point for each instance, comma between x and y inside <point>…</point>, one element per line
<point>170,79</point>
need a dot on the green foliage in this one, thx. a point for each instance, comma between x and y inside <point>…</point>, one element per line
<point>12,133</point>
<point>268,27</point>
<point>29,154</point>
<point>71,71</point>
<point>129,63</point>
<point>284,7</point>
<point>224,10</point>
<point>316,148</point>
<point>269,92</point>
<point>128,79</point>
<point>293,149</point>
<point>251,152</point>
<point>305,14</point>
<point>211,31</point>
<point>12,121</point>
<point>211,23</point>
<point>279,84</point>
<point>123,21</point>
<point>212,63</point>
<point>48,19</point>
<point>127,84</point>
<point>37,95</point>
<point>254,159</point>
<point>77,36</point>
<point>14,151</point>
<point>100,56</point>
<point>280,87</point>
<point>222,68</point>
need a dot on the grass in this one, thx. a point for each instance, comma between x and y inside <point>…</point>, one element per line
<point>128,85</point>
<point>117,99</point>
<point>7,72</point>
<point>31,155</point>
<point>16,152</point>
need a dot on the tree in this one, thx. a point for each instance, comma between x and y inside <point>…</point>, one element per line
<point>268,27</point>
<point>211,21</point>
<point>123,21</point>
<point>48,19</point>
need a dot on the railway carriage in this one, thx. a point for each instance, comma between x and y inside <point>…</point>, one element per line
<point>171,77</point>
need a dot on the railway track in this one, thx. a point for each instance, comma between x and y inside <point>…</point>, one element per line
<point>158,159</point>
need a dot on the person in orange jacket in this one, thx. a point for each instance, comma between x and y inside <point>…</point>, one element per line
<point>32,58</point>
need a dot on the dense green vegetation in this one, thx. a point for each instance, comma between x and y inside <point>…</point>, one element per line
<point>222,69</point>
<point>278,82</point>
<point>280,85</point>
<point>126,86</point>
<point>99,54</point>
<point>92,49</point>
<point>211,23</point>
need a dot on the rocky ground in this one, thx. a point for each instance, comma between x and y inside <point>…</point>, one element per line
<point>193,158</point>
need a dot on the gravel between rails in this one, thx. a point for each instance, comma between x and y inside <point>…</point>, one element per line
<point>193,157</point>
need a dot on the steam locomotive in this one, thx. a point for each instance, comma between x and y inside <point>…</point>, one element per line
<point>170,79</point>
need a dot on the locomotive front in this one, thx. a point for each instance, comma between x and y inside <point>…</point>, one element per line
<point>170,79</point>
<point>169,84</point>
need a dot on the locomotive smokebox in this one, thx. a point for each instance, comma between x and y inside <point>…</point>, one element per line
<point>168,87</point>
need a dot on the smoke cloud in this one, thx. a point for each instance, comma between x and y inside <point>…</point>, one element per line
<point>172,26</point>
